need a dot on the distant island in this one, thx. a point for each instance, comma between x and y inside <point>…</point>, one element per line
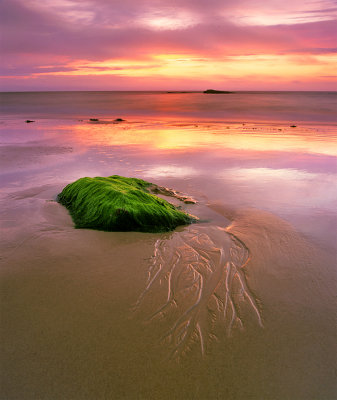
<point>209,91</point>
<point>212,91</point>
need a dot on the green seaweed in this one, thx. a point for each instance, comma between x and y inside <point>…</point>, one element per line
<point>116,203</point>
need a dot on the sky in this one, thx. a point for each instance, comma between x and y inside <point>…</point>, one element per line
<point>168,45</point>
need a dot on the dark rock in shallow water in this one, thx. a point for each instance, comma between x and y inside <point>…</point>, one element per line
<point>117,203</point>
<point>29,121</point>
<point>212,91</point>
<point>119,120</point>
<point>94,119</point>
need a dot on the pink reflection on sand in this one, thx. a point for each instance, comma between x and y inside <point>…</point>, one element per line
<point>174,137</point>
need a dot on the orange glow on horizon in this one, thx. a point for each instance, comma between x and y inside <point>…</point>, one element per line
<point>179,67</point>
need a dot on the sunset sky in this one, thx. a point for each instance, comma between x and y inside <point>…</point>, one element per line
<point>168,45</point>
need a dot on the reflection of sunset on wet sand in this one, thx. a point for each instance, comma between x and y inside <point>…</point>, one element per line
<point>172,136</point>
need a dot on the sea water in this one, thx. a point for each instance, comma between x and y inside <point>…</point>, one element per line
<point>292,107</point>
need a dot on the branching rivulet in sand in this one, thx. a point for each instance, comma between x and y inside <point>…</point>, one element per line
<point>202,271</point>
<point>117,203</point>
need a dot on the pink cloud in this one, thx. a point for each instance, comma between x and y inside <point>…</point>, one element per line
<point>51,34</point>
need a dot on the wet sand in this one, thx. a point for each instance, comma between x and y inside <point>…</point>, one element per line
<point>241,305</point>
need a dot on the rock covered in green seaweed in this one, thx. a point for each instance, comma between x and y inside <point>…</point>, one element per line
<point>116,203</point>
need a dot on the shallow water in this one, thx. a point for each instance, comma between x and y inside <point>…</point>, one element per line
<point>241,305</point>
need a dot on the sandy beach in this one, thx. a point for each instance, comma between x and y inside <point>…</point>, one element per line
<point>223,287</point>
<point>240,305</point>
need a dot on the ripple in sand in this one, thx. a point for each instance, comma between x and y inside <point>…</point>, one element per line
<point>201,270</point>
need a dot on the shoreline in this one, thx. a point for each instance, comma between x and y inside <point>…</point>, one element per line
<point>155,119</point>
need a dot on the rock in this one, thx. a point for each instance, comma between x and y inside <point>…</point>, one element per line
<point>116,203</point>
<point>28,121</point>
<point>119,120</point>
<point>212,91</point>
<point>293,126</point>
<point>94,119</point>
<point>189,200</point>
<point>171,193</point>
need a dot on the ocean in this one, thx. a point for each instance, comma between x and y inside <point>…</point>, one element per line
<point>240,305</point>
<point>292,107</point>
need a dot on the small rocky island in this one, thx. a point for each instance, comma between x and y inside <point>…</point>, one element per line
<point>116,203</point>
<point>212,91</point>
